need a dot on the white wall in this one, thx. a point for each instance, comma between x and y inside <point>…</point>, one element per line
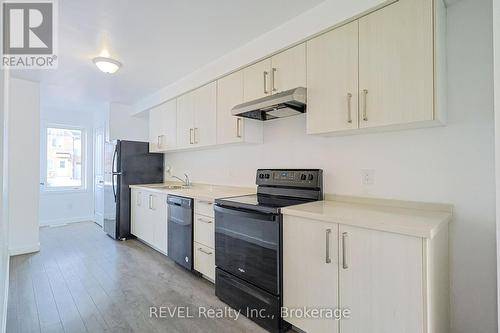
<point>4,250</point>
<point>452,164</point>
<point>66,207</point>
<point>124,126</point>
<point>23,171</point>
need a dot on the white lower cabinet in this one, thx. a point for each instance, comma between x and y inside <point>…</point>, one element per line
<point>391,283</point>
<point>204,260</point>
<point>148,212</point>
<point>204,239</point>
<point>310,271</point>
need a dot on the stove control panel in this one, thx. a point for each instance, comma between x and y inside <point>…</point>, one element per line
<point>312,178</point>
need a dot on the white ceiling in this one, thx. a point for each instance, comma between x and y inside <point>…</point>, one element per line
<point>158,41</point>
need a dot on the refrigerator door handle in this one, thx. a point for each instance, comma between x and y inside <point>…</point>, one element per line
<point>113,172</point>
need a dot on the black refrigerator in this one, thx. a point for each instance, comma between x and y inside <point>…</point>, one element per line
<point>126,163</point>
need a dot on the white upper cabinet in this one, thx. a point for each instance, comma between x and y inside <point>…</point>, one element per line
<point>197,117</point>
<point>205,115</point>
<point>283,71</point>
<point>288,69</point>
<point>185,120</point>
<point>231,129</point>
<point>332,80</point>
<point>257,80</point>
<point>229,94</point>
<point>380,72</point>
<point>396,64</point>
<point>163,127</point>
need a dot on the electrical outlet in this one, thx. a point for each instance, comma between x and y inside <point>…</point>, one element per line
<point>368,176</point>
<point>168,170</point>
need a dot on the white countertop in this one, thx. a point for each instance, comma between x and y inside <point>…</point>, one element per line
<point>412,220</point>
<point>199,191</point>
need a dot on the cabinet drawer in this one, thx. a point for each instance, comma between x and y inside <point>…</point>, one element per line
<point>204,260</point>
<point>204,207</point>
<point>204,231</point>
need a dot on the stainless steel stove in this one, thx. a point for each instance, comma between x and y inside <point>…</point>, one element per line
<point>248,242</point>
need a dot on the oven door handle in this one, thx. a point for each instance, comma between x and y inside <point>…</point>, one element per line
<point>245,213</point>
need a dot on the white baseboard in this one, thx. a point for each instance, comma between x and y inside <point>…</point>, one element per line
<point>3,327</point>
<point>66,221</point>
<point>14,251</point>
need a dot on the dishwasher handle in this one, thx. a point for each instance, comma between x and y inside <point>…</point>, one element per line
<point>179,201</point>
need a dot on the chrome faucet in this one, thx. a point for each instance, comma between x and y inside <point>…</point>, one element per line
<point>186,181</point>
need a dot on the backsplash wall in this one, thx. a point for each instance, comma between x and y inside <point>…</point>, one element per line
<point>452,164</point>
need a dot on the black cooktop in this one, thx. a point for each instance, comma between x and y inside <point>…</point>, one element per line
<point>261,202</point>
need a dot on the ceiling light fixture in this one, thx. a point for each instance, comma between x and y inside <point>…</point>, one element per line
<point>107,65</point>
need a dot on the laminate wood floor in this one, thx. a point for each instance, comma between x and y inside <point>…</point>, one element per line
<point>83,281</point>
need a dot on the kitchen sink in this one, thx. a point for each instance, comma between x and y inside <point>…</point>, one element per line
<point>172,187</point>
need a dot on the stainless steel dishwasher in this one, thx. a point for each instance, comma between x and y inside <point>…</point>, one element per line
<point>180,230</point>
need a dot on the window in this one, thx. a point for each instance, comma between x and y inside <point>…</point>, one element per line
<point>65,161</point>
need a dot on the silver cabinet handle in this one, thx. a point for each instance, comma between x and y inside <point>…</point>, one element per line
<point>349,114</point>
<point>203,220</point>
<point>190,136</point>
<point>273,78</point>
<point>159,141</point>
<point>345,237</point>
<point>265,82</point>
<point>151,202</point>
<point>202,250</point>
<point>327,258</point>
<point>365,115</point>
<point>238,127</point>
<point>194,135</point>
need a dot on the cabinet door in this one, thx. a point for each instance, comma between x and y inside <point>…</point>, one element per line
<point>332,80</point>
<point>205,115</point>
<point>309,278</point>
<point>163,127</point>
<point>229,94</point>
<point>288,69</point>
<point>257,80</point>
<point>396,64</point>
<point>185,120</point>
<point>381,281</point>
<point>169,139</point>
<point>148,227</point>
<point>158,209</point>
<point>136,212</point>
<point>156,120</point>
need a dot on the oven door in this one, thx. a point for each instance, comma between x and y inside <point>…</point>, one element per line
<point>247,245</point>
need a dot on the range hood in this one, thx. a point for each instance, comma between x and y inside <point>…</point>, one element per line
<point>284,104</point>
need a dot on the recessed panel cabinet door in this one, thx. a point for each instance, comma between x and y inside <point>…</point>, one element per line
<point>310,271</point>
<point>332,80</point>
<point>381,281</point>
<point>288,69</point>
<point>185,120</point>
<point>396,64</point>
<point>257,80</point>
<point>229,94</point>
<point>205,115</point>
